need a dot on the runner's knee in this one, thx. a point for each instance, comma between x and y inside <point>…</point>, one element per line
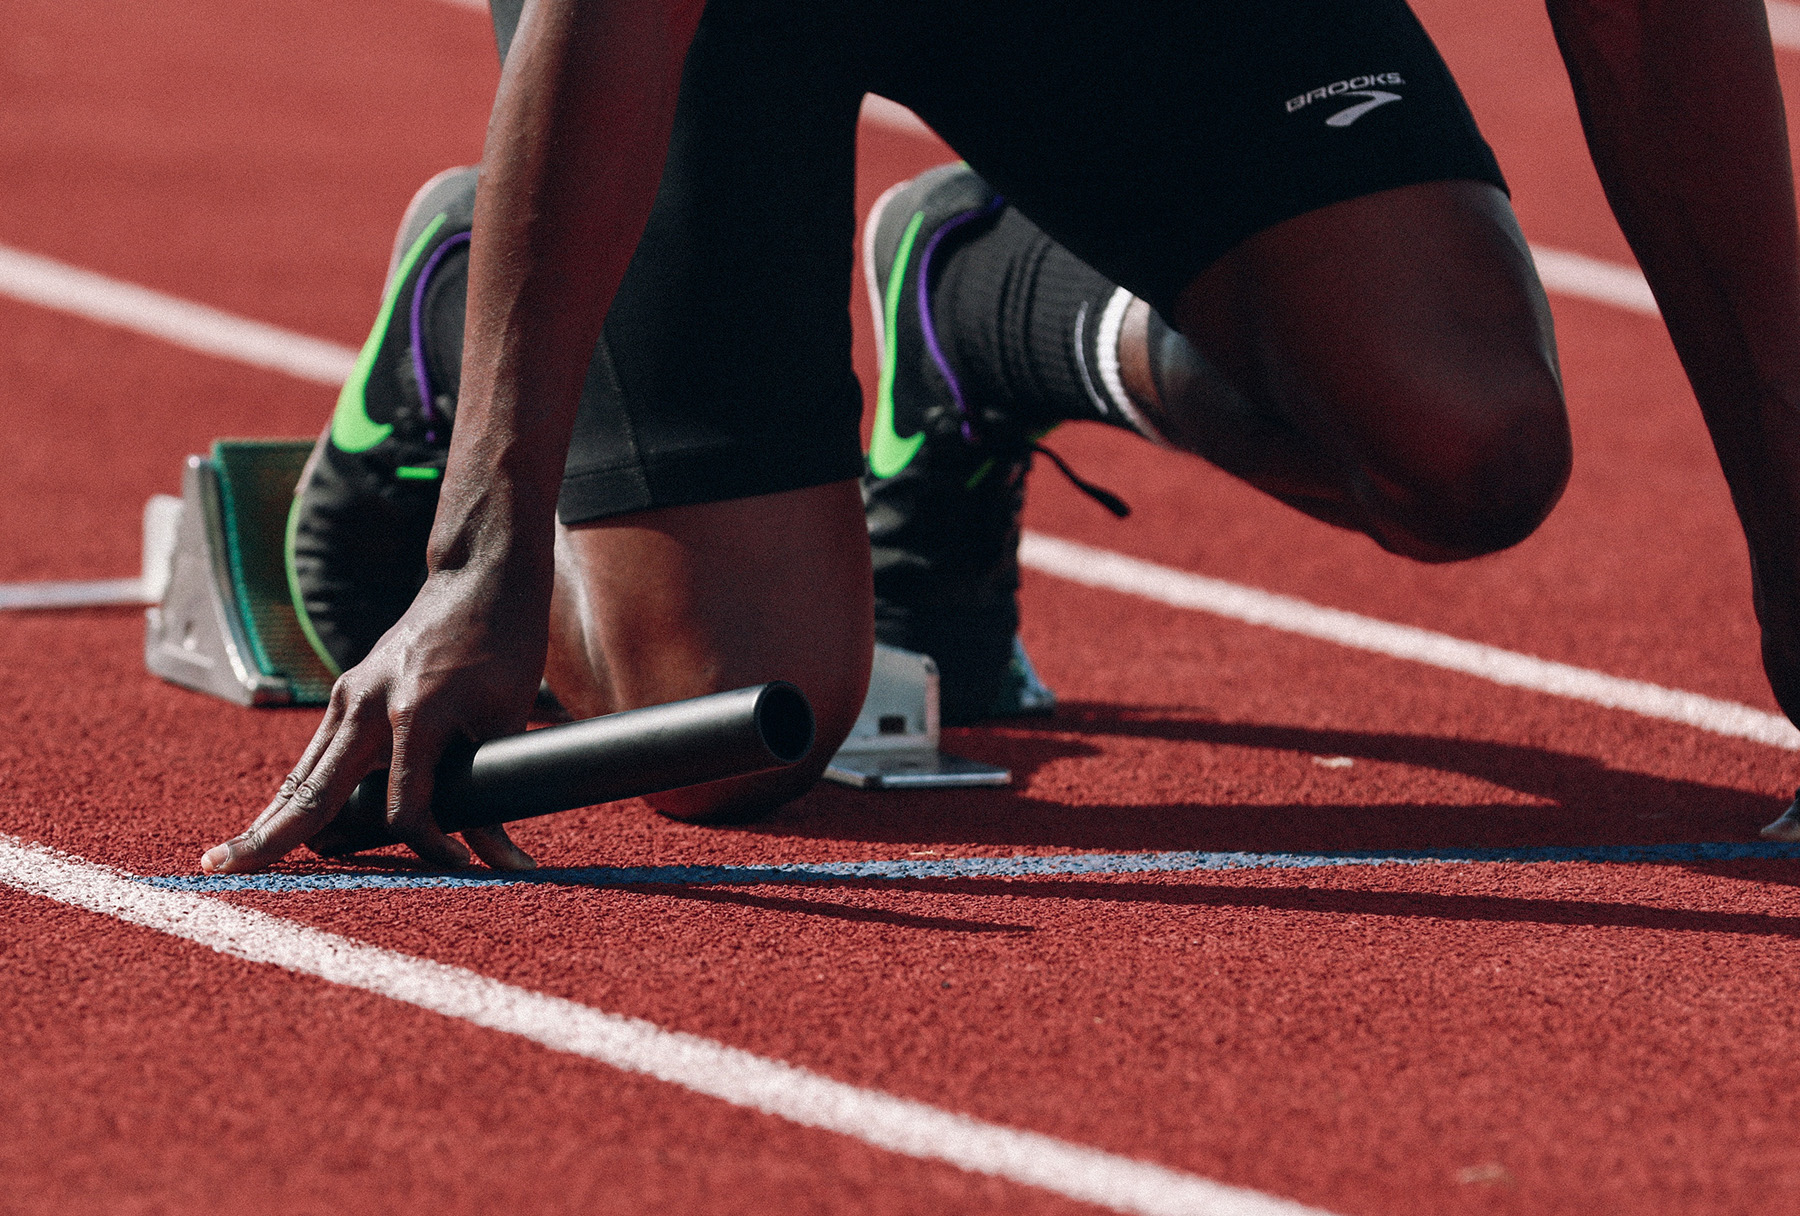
<point>1486,462</point>
<point>834,688</point>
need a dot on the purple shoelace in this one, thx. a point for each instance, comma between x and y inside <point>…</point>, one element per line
<point>925,322</point>
<point>426,395</point>
<point>1112,502</point>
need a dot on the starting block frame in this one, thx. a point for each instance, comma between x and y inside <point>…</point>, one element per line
<point>894,744</point>
<point>225,624</point>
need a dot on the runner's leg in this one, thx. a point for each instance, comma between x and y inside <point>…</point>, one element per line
<point>1384,363</point>
<point>711,529</point>
<point>660,605</point>
<point>1346,313</point>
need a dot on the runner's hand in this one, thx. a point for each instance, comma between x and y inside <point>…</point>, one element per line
<point>457,664</point>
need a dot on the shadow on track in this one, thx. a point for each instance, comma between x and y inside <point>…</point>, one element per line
<point>1566,798</point>
<point>834,910</point>
<point>1406,904</point>
<point>1333,901</point>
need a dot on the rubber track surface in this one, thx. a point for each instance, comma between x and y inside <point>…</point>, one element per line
<point>1542,1038</point>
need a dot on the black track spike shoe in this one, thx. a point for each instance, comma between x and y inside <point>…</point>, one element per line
<point>945,479</point>
<point>363,510</point>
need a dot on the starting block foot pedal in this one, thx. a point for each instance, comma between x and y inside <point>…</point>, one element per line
<point>894,744</point>
<point>226,623</point>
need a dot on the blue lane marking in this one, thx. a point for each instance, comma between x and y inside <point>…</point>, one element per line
<point>980,867</point>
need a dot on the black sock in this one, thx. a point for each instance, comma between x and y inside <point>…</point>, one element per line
<point>1033,331</point>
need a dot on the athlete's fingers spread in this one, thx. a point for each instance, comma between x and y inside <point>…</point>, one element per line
<point>321,739</point>
<point>336,712</point>
<point>425,838</point>
<point>417,748</point>
<point>497,849</point>
<point>308,799</point>
<point>297,818</point>
<point>264,841</point>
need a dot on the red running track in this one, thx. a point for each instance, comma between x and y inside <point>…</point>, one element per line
<point>1504,1038</point>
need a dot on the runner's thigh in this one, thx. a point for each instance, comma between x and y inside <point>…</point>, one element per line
<point>1150,137</point>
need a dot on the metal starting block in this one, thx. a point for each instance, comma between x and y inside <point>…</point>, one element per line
<point>225,623</point>
<point>894,744</point>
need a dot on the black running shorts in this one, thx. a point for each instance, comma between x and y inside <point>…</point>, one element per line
<point>1147,136</point>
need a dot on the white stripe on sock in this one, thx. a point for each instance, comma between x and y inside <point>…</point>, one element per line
<point>1106,355</point>
<point>1101,405</point>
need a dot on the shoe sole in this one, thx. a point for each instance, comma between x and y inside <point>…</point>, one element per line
<point>877,312</point>
<point>290,538</point>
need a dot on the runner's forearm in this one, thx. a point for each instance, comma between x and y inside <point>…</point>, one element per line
<point>1683,114</point>
<point>573,157</point>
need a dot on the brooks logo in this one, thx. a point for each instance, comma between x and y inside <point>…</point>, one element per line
<point>1356,86</point>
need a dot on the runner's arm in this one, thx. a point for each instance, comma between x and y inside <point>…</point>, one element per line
<point>574,154</point>
<point>1684,118</point>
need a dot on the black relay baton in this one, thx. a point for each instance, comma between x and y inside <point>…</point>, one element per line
<point>621,755</point>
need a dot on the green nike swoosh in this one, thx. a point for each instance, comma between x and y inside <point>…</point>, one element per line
<point>352,430</point>
<point>888,452</point>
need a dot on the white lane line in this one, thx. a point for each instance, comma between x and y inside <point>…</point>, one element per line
<point>894,116</point>
<point>96,593</point>
<point>52,284</point>
<point>1115,572</point>
<point>1576,274</point>
<point>898,1125</point>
